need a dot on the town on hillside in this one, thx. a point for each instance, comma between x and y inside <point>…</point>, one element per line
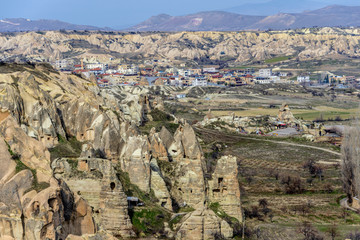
<point>165,72</point>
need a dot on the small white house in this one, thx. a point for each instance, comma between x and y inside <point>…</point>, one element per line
<point>302,79</point>
<point>263,80</point>
<point>265,72</point>
<point>201,82</point>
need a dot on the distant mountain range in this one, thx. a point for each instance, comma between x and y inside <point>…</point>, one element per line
<point>22,24</point>
<point>331,16</point>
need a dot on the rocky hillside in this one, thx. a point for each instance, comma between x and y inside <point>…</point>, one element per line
<point>75,163</point>
<point>241,47</point>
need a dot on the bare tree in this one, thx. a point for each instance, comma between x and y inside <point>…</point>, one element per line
<point>309,232</point>
<point>350,164</point>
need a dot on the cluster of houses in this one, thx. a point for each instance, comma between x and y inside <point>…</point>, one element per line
<point>141,74</point>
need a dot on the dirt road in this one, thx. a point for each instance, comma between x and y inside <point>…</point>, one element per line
<point>234,137</point>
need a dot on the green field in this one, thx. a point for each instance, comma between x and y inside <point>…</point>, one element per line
<point>278,59</point>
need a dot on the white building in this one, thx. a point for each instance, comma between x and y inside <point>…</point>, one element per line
<point>184,73</point>
<point>176,82</point>
<point>275,79</point>
<point>102,66</point>
<point>263,80</point>
<point>62,64</point>
<point>302,79</point>
<point>201,82</point>
<point>209,70</point>
<point>265,72</point>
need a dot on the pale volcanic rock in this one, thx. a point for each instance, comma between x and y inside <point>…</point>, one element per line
<point>285,115</point>
<point>33,153</point>
<point>203,224</point>
<point>103,192</point>
<point>186,144</point>
<point>157,147</point>
<point>224,187</point>
<point>49,214</point>
<point>7,169</point>
<point>11,193</point>
<point>159,187</point>
<point>190,184</point>
<point>189,45</point>
<point>135,159</point>
<point>166,137</point>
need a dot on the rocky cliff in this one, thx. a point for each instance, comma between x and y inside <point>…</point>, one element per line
<point>241,47</point>
<point>75,163</point>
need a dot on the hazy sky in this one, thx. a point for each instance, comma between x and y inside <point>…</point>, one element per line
<point>121,13</point>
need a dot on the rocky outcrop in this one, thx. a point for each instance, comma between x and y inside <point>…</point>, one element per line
<point>95,180</point>
<point>203,224</point>
<point>32,153</point>
<point>185,144</point>
<point>241,46</point>
<point>135,159</point>
<point>224,187</point>
<point>159,187</point>
<point>82,196</point>
<point>157,147</point>
<point>285,115</point>
<point>8,166</point>
<point>52,213</point>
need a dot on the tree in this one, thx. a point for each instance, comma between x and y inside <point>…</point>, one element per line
<point>309,232</point>
<point>292,184</point>
<point>263,203</point>
<point>350,164</point>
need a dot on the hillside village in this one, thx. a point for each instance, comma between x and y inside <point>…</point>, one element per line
<point>161,72</point>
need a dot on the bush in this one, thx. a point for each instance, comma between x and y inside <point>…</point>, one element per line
<point>158,115</point>
<point>309,232</point>
<point>292,184</point>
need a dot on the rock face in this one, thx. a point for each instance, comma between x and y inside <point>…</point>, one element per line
<point>159,187</point>
<point>203,224</point>
<point>95,181</point>
<point>241,46</point>
<point>285,115</point>
<point>7,164</point>
<point>83,196</point>
<point>48,214</point>
<point>224,187</point>
<point>32,152</point>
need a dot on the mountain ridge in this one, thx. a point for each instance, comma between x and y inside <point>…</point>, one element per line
<point>228,21</point>
<point>23,24</point>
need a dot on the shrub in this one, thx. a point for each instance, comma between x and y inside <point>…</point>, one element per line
<point>292,184</point>
<point>309,232</point>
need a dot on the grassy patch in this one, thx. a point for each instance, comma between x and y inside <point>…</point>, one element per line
<point>148,221</point>
<point>158,115</point>
<point>145,129</point>
<point>133,190</point>
<point>233,222</point>
<point>70,148</point>
<point>278,59</point>
<point>174,221</point>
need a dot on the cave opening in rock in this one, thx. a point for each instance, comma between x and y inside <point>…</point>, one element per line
<point>112,186</point>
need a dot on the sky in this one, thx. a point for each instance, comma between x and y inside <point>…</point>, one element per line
<point>119,14</point>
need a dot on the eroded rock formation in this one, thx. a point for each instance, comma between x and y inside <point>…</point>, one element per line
<point>85,196</point>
